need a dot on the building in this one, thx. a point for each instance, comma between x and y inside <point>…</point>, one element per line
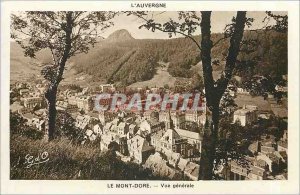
<point>171,140</point>
<point>65,106</point>
<point>192,171</point>
<point>123,128</point>
<point>282,146</point>
<point>280,88</point>
<point>139,148</point>
<point>106,139</point>
<point>176,117</point>
<point>193,138</point>
<point>82,122</point>
<point>267,149</point>
<point>90,135</point>
<point>24,92</point>
<point>237,171</point>
<point>35,121</point>
<point>98,129</point>
<point>82,102</point>
<point>192,116</point>
<point>242,91</point>
<point>32,102</point>
<point>155,139</point>
<point>264,114</point>
<point>256,173</point>
<point>147,114</point>
<point>107,127</point>
<point>106,116</point>
<point>246,115</point>
<point>105,88</point>
<point>133,129</point>
<point>160,168</point>
<point>265,161</point>
<point>145,126</point>
<point>86,121</point>
<point>172,157</point>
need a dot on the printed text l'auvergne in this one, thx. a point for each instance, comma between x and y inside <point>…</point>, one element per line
<point>148,5</point>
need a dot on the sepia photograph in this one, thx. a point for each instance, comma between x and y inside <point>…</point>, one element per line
<point>145,126</point>
<point>149,95</point>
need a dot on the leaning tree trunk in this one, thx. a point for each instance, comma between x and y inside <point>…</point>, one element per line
<point>52,90</point>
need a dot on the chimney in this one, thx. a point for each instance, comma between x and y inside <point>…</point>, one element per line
<point>258,146</point>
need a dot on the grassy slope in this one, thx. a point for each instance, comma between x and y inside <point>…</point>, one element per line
<point>21,68</point>
<point>259,101</point>
<point>161,78</point>
<point>68,161</point>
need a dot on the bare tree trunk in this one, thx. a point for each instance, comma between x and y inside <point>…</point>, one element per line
<point>51,100</point>
<point>209,139</point>
<point>209,144</point>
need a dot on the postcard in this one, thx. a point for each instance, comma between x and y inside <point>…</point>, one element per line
<point>149,97</point>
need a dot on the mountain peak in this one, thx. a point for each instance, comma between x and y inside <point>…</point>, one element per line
<point>120,35</point>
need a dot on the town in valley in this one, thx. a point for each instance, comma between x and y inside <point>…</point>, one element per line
<point>166,142</point>
<point>235,76</point>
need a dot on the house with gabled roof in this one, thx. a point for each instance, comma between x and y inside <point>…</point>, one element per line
<point>107,127</point>
<point>98,129</point>
<point>245,115</point>
<point>171,140</point>
<point>123,128</point>
<point>192,171</point>
<point>139,148</point>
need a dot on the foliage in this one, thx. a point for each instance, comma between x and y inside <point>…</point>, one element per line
<point>18,126</point>
<point>65,34</point>
<point>65,126</point>
<point>281,24</point>
<point>14,94</point>
<point>234,139</point>
<point>73,87</point>
<point>227,105</point>
<point>117,59</point>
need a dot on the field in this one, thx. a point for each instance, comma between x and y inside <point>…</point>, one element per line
<point>259,101</point>
<point>161,78</point>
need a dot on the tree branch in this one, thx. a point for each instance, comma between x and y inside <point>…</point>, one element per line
<point>206,45</point>
<point>163,30</point>
<point>233,52</point>
<point>68,45</point>
<point>218,41</point>
<point>52,18</point>
<point>52,53</point>
<point>186,35</point>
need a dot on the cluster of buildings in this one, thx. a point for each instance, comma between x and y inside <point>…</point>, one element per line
<point>166,142</point>
<point>141,138</point>
<point>30,104</point>
<point>246,115</point>
<point>267,161</point>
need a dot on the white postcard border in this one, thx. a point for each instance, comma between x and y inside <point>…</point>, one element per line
<point>201,187</point>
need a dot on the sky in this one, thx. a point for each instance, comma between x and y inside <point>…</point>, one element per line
<point>218,21</point>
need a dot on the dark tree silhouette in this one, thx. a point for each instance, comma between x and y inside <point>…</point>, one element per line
<point>65,34</point>
<point>215,90</point>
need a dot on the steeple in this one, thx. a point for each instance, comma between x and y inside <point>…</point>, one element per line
<point>171,121</point>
